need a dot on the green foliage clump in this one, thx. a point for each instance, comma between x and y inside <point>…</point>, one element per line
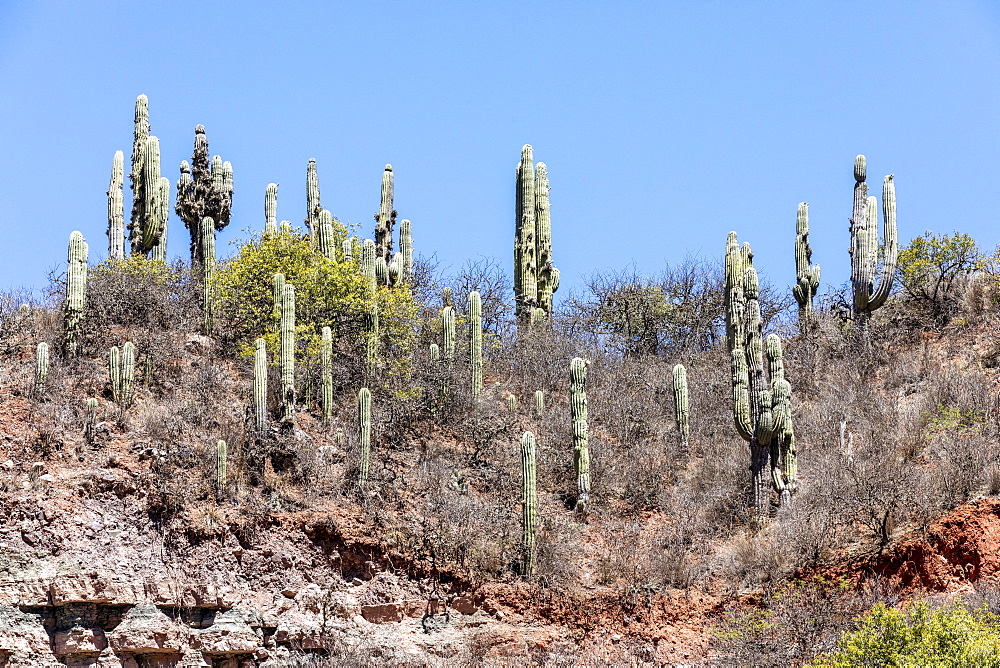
<point>932,266</point>
<point>919,635</point>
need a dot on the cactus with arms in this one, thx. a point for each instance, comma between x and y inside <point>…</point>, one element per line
<point>148,222</point>
<point>204,191</point>
<point>364,434</point>
<point>529,503</point>
<point>288,353</point>
<point>578,413</point>
<point>535,277</point>
<point>865,245</point>
<point>76,290</point>
<point>681,403</point>
<point>806,275</point>
<point>476,344</point>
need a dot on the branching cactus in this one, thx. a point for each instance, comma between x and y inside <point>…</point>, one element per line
<point>277,295</point>
<point>148,219</point>
<point>681,415</point>
<point>539,403</point>
<point>364,434</point>
<point>865,256</point>
<point>529,503</point>
<point>288,353</point>
<point>368,263</point>
<point>806,274</point>
<point>90,424</point>
<point>313,206</point>
<point>385,219</point>
<point>76,290</point>
<point>326,372</point>
<point>325,241</point>
<point>271,209</point>
<point>260,386</point>
<point>205,190</point>
<point>121,365</point>
<point>208,273</point>
<point>535,276</point>
<point>578,413</point>
<point>448,333</point>
<point>406,252</point>
<point>116,209</point>
<point>41,368</point>
<point>221,461</point>
<point>476,344</point>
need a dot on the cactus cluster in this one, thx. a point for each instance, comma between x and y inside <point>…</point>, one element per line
<point>529,503</point>
<point>150,190</point>
<point>535,277</point>
<point>76,290</point>
<point>578,413</point>
<point>681,416</point>
<point>204,195</point>
<point>121,365</point>
<point>806,274</point>
<point>865,255</point>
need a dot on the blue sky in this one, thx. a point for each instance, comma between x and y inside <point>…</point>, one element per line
<point>663,125</point>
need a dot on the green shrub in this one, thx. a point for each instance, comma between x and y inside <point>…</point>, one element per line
<point>931,267</point>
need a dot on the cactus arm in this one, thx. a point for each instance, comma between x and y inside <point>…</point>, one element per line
<point>368,264</point>
<point>406,249</point>
<point>889,234</point>
<point>116,209</point>
<point>325,240</point>
<point>543,226</point>
<point>806,274</point>
<point>385,218</point>
<point>525,258</point>
<point>448,333</point>
<point>313,206</point>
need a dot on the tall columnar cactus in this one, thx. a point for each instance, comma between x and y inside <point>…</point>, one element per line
<point>364,434</point>
<point>116,209</point>
<point>405,251</point>
<point>381,271</point>
<point>539,403</point>
<point>277,295</point>
<point>271,209</point>
<point>535,277</point>
<point>368,263</point>
<point>260,386</point>
<point>90,423</point>
<point>121,365</point>
<point>208,273</point>
<point>205,190</point>
<point>41,368</point>
<point>806,275</point>
<point>221,458</point>
<point>371,341</point>
<point>385,219</point>
<point>448,333</point>
<point>347,248</point>
<point>865,258</point>
<point>529,503</point>
<point>578,413</point>
<point>288,353</point>
<point>326,372</point>
<point>681,404</point>
<point>313,206</point>
<point>139,137</point>
<point>476,344</point>
<point>159,251</point>
<point>784,460</point>
<point>76,290</point>
<point>756,401</point>
<point>148,219</point>
<point>325,241</point>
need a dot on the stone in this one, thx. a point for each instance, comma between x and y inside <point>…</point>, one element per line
<point>146,630</point>
<point>80,641</point>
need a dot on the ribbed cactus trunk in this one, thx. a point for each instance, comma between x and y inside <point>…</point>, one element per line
<point>385,219</point>
<point>681,415</point>
<point>865,244</point>
<point>313,206</point>
<point>208,273</point>
<point>121,367</point>
<point>116,209</point>
<point>221,462</point>
<point>368,264</point>
<point>41,368</point>
<point>529,503</point>
<point>271,209</point>
<point>260,386</point>
<point>364,434</point>
<point>205,190</point>
<point>539,403</point>
<point>326,373</point>
<point>548,275</point>
<point>578,413</point>
<point>371,341</point>
<point>325,242</point>
<point>159,250</point>
<point>448,333</point>
<point>76,290</point>
<point>149,218</point>
<point>288,354</point>
<point>347,250</point>
<point>806,274</point>
<point>277,295</point>
<point>90,422</point>
<point>525,253</point>
<point>476,345</point>
<point>406,252</point>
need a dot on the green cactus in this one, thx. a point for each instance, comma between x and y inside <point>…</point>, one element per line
<point>761,408</point>
<point>538,318</point>
<point>529,503</point>
<point>260,386</point>
<point>435,352</point>
<point>347,248</point>
<point>313,206</point>
<point>448,333</point>
<point>385,219</point>
<point>806,275</point>
<point>271,209</point>
<point>324,238</point>
<point>326,371</point>
<point>475,307</point>
<point>368,263</point>
<point>535,277</point>
<point>406,252</point>
<point>41,368</point>
<point>539,403</point>
<point>90,422</point>
<point>578,413</point>
<point>364,434</point>
<point>681,403</point>
<point>76,290</point>
<point>208,273</point>
<point>512,402</point>
<point>548,275</point>
<point>372,341</point>
<point>121,365</point>
<point>204,191</point>
<point>288,353</point>
<point>865,256</point>
<point>116,209</point>
<point>392,269</point>
<point>159,251</point>
<point>277,294</point>
<point>148,219</point>
<point>381,271</point>
<point>220,461</point>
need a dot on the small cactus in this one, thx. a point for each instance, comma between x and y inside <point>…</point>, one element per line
<point>529,503</point>
<point>448,333</point>
<point>364,434</point>
<point>116,209</point>
<point>578,413</point>
<point>539,403</point>
<point>41,368</point>
<point>90,422</point>
<point>76,290</point>
<point>260,386</point>
<point>221,461</point>
<point>325,240</point>
<point>435,352</point>
<point>288,353</point>
<point>681,403</point>
<point>271,209</point>
<point>121,365</point>
<point>512,402</point>
<point>326,371</point>
<point>476,344</point>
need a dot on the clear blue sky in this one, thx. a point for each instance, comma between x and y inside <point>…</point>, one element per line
<point>663,124</point>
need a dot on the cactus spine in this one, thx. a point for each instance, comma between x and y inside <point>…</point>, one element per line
<point>208,271</point>
<point>865,246</point>
<point>364,434</point>
<point>116,209</point>
<point>529,502</point>
<point>260,386</point>
<point>326,371</point>
<point>539,403</point>
<point>288,353</point>
<point>313,207</point>
<point>325,241</point>
<point>271,209</point>
<point>406,251</point>
<point>121,364</point>
<point>535,277</point>
<point>76,290</point>
<point>448,333</point>
<point>220,461</point>
<point>578,413</point>
<point>385,219</point>
<point>204,191</point>
<point>681,403</point>
<point>476,344</point>
<point>41,367</point>
<point>806,275</point>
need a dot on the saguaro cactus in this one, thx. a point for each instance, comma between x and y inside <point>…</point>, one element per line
<point>681,403</point>
<point>806,275</point>
<point>208,272</point>
<point>448,333</point>
<point>205,190</point>
<point>865,245</point>
<point>784,461</point>
<point>385,219</point>
<point>529,503</point>
<point>578,413</point>
<point>260,386</point>
<point>277,295</point>
<point>76,290</point>
<point>539,403</point>
<point>548,275</point>
<point>535,277</point>
<point>476,344</point>
<point>221,460</point>
<point>326,371</point>
<point>288,353</point>
<point>405,251</point>
<point>90,423</point>
<point>148,212</point>
<point>325,242</point>
<point>41,368</point>
<point>271,209</point>
<point>121,365</point>
<point>368,263</point>
<point>313,206</point>
<point>364,434</point>
<point>116,209</point>
<point>371,341</point>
